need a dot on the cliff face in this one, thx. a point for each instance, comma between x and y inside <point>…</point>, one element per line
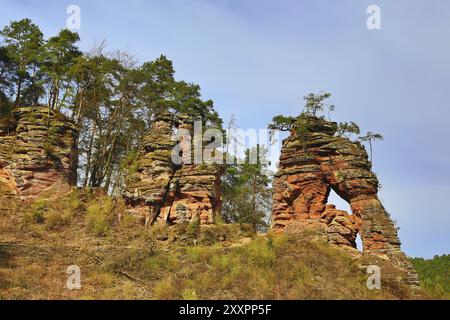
<point>309,169</point>
<point>162,191</point>
<point>38,150</point>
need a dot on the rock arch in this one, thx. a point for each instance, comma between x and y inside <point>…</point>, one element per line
<point>309,169</point>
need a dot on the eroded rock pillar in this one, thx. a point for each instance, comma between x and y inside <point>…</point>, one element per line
<point>38,151</point>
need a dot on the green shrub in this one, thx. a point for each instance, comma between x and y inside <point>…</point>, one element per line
<point>75,203</point>
<point>158,264</point>
<point>434,275</point>
<point>193,229</point>
<point>261,253</point>
<point>210,235</point>
<point>99,217</point>
<point>130,163</point>
<point>38,210</point>
<point>198,254</point>
<point>247,230</point>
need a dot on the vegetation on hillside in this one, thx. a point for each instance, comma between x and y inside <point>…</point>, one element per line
<point>434,275</point>
<point>123,261</point>
<point>113,99</point>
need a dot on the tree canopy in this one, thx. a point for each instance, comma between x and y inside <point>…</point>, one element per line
<point>315,107</point>
<point>247,193</point>
<point>111,97</point>
<point>371,137</point>
<point>434,275</point>
<point>346,129</point>
<point>21,54</point>
<point>315,104</point>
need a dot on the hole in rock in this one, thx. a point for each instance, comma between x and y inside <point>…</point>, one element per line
<point>340,203</point>
<point>359,243</point>
<point>343,205</point>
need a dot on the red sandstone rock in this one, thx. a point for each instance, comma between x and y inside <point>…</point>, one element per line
<point>169,193</point>
<point>37,151</point>
<point>305,180</point>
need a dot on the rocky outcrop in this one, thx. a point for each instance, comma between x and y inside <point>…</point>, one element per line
<point>38,151</point>
<point>312,165</point>
<point>165,192</point>
<point>342,228</point>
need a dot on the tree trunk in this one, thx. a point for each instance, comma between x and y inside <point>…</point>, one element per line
<point>66,89</point>
<point>89,156</point>
<point>108,164</point>
<point>55,95</point>
<point>254,204</point>
<point>19,92</point>
<point>80,107</point>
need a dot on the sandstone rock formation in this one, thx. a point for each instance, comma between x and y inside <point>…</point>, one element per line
<point>313,165</point>
<point>165,192</point>
<point>38,150</point>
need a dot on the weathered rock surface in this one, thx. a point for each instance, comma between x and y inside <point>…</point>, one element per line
<point>38,150</point>
<point>309,169</point>
<point>342,228</point>
<point>162,191</point>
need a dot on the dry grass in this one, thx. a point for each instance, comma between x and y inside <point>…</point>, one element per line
<point>126,261</point>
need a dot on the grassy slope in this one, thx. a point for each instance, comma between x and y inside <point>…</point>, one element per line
<point>125,261</point>
<point>434,275</point>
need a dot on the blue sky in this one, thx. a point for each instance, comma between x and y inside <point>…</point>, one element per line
<point>257,58</point>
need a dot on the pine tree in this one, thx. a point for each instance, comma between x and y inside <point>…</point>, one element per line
<point>23,42</point>
<point>59,57</point>
<point>247,191</point>
<point>371,137</point>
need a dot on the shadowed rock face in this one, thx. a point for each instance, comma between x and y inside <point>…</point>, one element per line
<point>309,168</point>
<point>164,192</point>
<point>38,151</point>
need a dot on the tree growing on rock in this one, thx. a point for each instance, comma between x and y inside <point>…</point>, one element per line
<point>301,125</point>
<point>315,104</point>
<point>59,56</point>
<point>371,137</point>
<point>282,123</point>
<point>22,46</point>
<point>346,129</point>
<point>112,99</point>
